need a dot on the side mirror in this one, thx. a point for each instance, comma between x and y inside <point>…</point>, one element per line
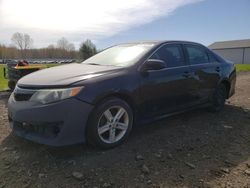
<point>153,64</point>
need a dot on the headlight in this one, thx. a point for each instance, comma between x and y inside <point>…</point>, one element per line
<point>52,95</point>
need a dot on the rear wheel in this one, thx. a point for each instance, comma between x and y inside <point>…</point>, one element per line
<point>110,123</point>
<point>218,98</point>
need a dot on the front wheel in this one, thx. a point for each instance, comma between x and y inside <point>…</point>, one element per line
<point>218,99</point>
<point>110,123</point>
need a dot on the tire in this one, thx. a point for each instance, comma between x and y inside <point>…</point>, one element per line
<point>109,124</point>
<point>218,99</point>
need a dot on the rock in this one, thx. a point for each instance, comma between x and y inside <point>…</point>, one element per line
<point>6,167</point>
<point>145,169</point>
<point>41,175</point>
<point>27,184</point>
<point>190,165</point>
<point>139,157</point>
<point>149,182</point>
<point>247,172</point>
<point>72,162</point>
<point>77,175</point>
<point>106,185</point>
<point>248,165</point>
<point>207,185</point>
<point>7,163</point>
<point>141,177</point>
<point>156,173</point>
<point>17,157</point>
<point>35,163</point>
<point>2,184</point>
<point>181,176</point>
<point>29,173</point>
<point>201,180</point>
<point>225,170</point>
<point>158,155</point>
<point>228,184</point>
<point>229,163</point>
<point>227,127</point>
<point>5,149</point>
<point>170,156</point>
<point>19,171</point>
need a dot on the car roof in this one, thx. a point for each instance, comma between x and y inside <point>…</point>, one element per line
<point>159,42</point>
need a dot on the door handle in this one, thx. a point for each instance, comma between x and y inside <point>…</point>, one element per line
<point>186,74</point>
<point>217,69</point>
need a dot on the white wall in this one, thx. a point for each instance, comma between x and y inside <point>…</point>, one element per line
<point>247,56</point>
<point>235,55</point>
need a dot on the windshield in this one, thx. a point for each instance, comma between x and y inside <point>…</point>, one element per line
<point>121,55</point>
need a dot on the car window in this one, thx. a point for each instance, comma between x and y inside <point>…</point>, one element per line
<point>196,55</point>
<point>121,55</point>
<point>171,54</point>
<point>212,58</point>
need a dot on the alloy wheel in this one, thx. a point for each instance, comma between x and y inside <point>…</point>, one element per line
<point>113,124</point>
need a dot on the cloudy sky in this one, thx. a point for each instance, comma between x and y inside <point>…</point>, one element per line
<point>114,21</point>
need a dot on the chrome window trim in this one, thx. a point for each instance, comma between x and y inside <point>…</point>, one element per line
<point>168,68</point>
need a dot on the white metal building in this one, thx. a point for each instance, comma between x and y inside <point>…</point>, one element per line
<point>237,51</point>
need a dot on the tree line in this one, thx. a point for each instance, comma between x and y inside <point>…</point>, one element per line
<point>21,48</point>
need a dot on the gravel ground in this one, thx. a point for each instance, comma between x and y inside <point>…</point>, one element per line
<point>194,149</point>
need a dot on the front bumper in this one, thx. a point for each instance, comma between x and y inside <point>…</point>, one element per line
<point>55,124</point>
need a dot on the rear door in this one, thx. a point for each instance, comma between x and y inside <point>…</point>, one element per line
<point>168,89</point>
<point>205,70</point>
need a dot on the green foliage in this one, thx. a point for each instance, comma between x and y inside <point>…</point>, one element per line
<point>242,67</point>
<point>87,49</point>
<point>3,81</point>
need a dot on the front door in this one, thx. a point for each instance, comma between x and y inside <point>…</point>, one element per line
<point>169,89</point>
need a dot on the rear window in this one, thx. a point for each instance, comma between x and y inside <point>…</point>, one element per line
<point>196,55</point>
<point>212,58</point>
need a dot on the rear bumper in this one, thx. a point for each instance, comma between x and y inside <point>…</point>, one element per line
<point>55,124</point>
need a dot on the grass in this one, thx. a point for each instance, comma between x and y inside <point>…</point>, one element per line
<point>4,82</point>
<point>242,67</point>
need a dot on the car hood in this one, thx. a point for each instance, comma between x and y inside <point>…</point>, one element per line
<point>64,75</point>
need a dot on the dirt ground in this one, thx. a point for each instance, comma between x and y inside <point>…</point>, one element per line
<point>194,149</point>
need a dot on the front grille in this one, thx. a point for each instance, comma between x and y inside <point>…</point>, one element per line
<point>22,96</point>
<point>47,130</point>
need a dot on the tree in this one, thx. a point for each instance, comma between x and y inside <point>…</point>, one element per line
<point>70,47</point>
<point>62,43</point>
<point>22,41</point>
<point>87,49</point>
<point>51,46</point>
